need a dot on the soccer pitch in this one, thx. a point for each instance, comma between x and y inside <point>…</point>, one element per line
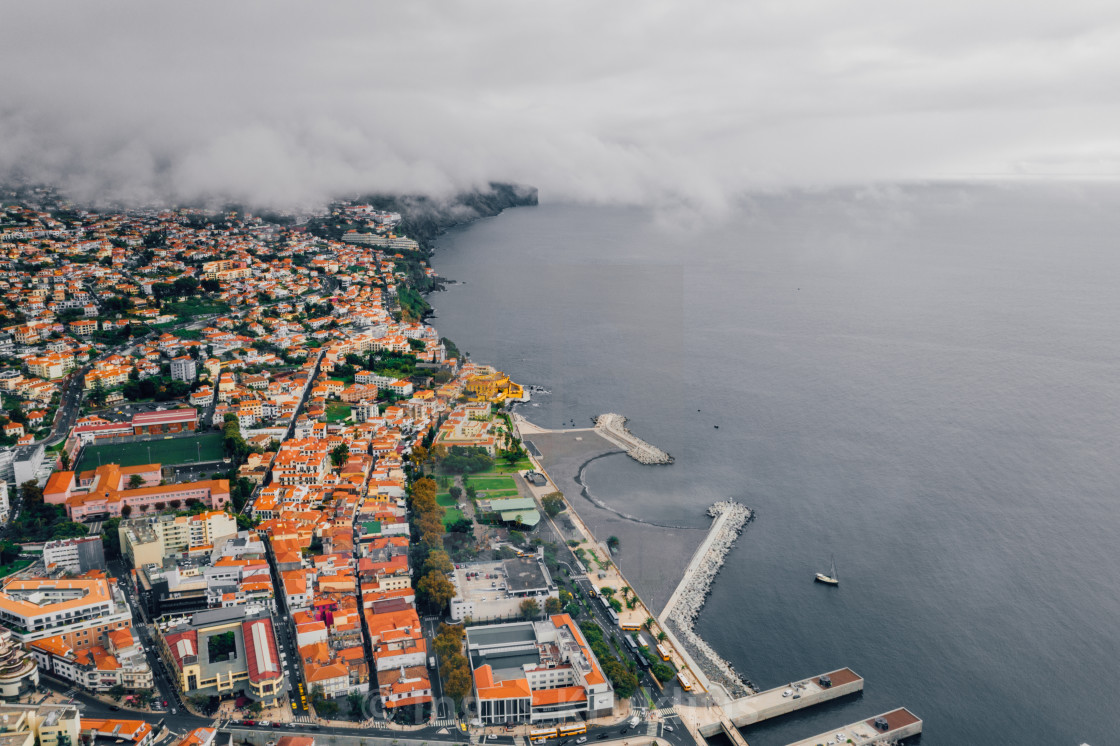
<point>165,451</point>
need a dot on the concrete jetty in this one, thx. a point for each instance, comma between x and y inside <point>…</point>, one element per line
<point>794,696</point>
<point>683,608</point>
<point>613,427</point>
<point>890,727</point>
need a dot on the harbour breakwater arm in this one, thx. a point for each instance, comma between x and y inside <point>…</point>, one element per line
<point>683,607</point>
<point>613,427</point>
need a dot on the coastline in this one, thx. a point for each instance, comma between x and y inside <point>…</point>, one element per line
<point>690,590</point>
<point>680,614</point>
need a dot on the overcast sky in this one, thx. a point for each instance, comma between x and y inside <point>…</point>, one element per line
<point>629,102</point>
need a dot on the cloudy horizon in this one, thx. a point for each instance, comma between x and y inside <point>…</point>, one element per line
<point>621,103</point>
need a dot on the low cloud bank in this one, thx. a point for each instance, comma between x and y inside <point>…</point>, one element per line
<point>289,104</point>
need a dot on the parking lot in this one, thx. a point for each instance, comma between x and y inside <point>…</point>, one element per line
<point>490,576</point>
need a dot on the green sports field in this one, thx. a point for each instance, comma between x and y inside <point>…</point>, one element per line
<point>167,452</point>
<point>492,483</point>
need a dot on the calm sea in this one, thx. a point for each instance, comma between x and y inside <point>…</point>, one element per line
<point>919,381</point>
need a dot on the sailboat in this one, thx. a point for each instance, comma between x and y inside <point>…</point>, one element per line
<point>831,578</point>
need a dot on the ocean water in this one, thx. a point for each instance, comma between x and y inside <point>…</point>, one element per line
<point>921,381</point>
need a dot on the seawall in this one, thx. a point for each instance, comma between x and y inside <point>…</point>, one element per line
<point>683,607</point>
<point>613,427</point>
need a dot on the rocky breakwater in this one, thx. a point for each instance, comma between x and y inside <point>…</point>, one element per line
<point>613,427</point>
<point>685,605</point>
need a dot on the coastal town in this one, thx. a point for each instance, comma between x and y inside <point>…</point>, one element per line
<point>249,494</point>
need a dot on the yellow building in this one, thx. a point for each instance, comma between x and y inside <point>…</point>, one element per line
<point>226,653</point>
<point>47,725</point>
<point>493,386</point>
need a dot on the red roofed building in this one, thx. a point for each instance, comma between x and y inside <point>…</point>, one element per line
<point>564,681</point>
<point>159,423</point>
<point>225,653</point>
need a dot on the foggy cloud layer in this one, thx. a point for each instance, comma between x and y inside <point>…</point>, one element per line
<point>627,102</point>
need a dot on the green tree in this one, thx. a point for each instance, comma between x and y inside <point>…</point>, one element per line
<point>117,692</point>
<point>613,543</point>
<point>98,394</point>
<point>553,606</point>
<point>438,561</point>
<point>458,684</point>
<point>339,454</point>
<point>135,481</point>
<point>355,700</point>
<point>553,504</point>
<point>530,609</point>
<point>437,589</point>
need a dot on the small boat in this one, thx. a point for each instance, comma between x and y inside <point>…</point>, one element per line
<point>831,578</point>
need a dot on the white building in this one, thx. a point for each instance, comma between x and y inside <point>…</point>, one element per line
<point>183,369</point>
<point>75,555</point>
<point>537,671</point>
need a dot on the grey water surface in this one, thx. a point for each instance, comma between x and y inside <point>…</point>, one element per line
<point>919,380</point>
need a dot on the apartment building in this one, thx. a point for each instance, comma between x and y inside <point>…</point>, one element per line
<point>148,540</point>
<point>75,556</point>
<point>117,659</point>
<point>45,725</point>
<point>79,610</point>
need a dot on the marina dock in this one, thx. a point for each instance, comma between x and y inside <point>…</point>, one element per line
<point>791,697</point>
<point>794,696</point>
<point>889,727</point>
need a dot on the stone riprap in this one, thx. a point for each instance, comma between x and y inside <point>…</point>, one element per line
<point>685,605</point>
<point>613,427</point>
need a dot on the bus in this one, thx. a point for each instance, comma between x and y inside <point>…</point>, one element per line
<point>684,681</point>
<point>541,734</point>
<point>571,729</point>
<point>614,616</point>
<point>630,626</point>
<point>606,603</point>
<point>663,652</point>
<point>630,643</point>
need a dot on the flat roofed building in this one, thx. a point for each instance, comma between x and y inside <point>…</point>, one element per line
<point>537,671</point>
<point>75,555</point>
<point>491,591</point>
<point>79,609</point>
<point>46,725</point>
